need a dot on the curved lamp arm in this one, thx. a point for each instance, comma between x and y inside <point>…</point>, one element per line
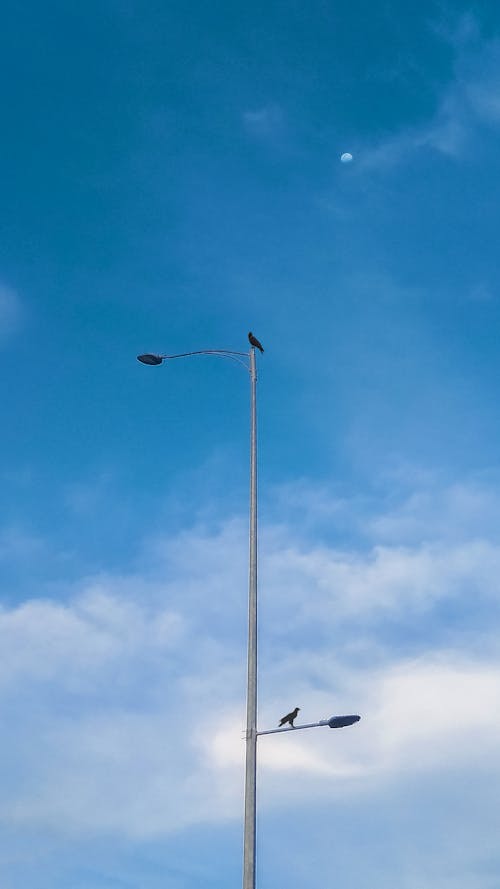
<point>155,360</point>
<point>332,722</point>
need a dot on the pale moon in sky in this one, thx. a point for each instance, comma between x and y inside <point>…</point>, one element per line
<point>346,157</point>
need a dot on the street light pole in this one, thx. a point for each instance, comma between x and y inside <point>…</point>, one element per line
<point>249,838</point>
<point>249,834</point>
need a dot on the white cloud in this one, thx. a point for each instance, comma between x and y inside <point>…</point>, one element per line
<point>134,687</point>
<point>174,758</point>
<point>72,644</point>
<point>328,586</point>
<point>456,512</point>
<point>438,711</point>
<point>430,716</point>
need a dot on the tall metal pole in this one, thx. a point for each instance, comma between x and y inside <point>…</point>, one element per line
<point>251,732</point>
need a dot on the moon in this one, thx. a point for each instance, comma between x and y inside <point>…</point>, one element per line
<point>346,157</point>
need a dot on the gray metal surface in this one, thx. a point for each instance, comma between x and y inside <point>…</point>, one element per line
<point>251,731</point>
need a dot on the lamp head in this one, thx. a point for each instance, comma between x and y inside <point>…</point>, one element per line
<point>342,721</point>
<point>150,359</point>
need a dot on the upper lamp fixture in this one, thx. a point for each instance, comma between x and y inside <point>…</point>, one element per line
<point>150,359</point>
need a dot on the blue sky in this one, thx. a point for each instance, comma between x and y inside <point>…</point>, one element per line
<point>170,179</point>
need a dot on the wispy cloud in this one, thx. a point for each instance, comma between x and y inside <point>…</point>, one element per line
<point>84,498</point>
<point>267,124</point>
<point>18,544</point>
<point>467,106</point>
<point>11,311</point>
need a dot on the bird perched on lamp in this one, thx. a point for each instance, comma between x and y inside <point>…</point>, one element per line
<point>254,341</point>
<point>290,717</point>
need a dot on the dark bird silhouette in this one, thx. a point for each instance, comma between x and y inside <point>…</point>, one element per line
<point>290,717</point>
<point>254,341</point>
